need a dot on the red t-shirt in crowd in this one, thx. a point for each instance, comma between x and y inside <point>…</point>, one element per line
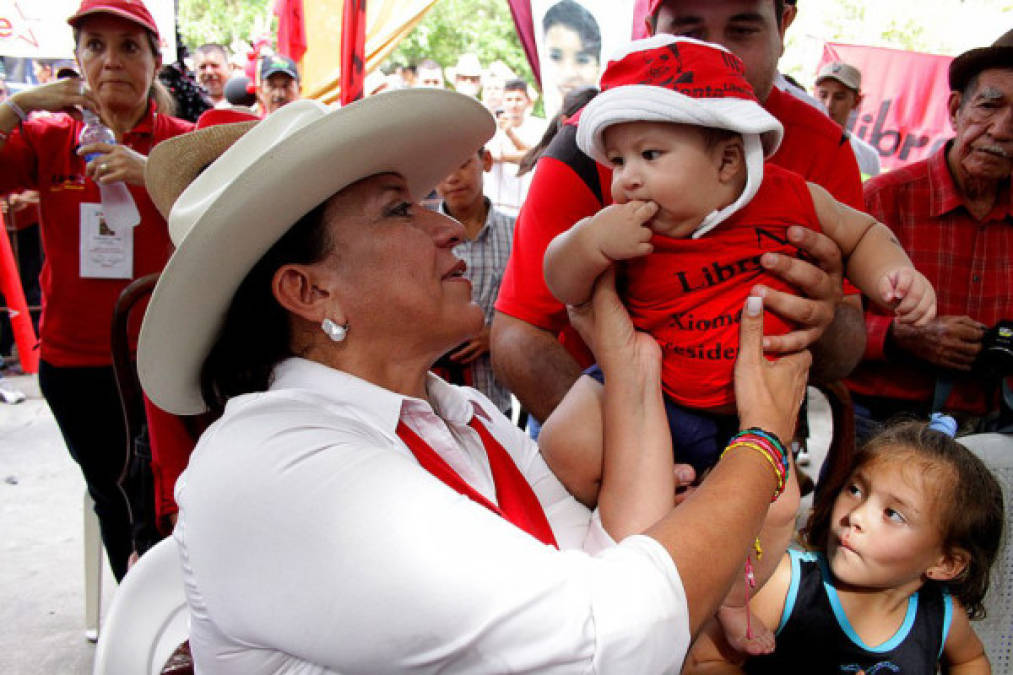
<point>77,311</point>
<point>967,260</point>
<point>568,185</point>
<point>689,293</point>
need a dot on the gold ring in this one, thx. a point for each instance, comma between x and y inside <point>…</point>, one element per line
<point>104,167</point>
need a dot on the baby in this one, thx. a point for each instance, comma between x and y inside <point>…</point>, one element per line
<point>686,138</point>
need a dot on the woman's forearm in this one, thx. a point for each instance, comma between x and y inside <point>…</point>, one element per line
<point>710,533</point>
<point>9,119</point>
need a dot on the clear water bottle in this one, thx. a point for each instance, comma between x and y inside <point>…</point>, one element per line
<point>118,207</point>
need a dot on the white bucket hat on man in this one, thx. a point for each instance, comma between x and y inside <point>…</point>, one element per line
<point>677,79</point>
<point>268,176</point>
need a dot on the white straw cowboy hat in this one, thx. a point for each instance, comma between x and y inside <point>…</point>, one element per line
<point>268,175</point>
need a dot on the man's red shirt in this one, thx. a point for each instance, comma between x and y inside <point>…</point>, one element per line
<point>966,260</point>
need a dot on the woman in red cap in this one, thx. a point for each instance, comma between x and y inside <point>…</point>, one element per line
<point>87,265</point>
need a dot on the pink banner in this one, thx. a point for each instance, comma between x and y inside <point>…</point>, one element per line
<point>903,114</point>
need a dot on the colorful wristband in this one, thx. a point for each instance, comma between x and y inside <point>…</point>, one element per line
<point>770,437</point>
<point>770,447</point>
<point>16,109</point>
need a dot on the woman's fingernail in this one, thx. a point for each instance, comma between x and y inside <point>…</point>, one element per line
<point>754,305</point>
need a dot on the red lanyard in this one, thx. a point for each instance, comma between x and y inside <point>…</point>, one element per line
<point>517,501</point>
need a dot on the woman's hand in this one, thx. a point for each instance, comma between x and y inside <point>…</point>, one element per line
<point>114,163</point>
<point>820,285</point>
<point>768,393</point>
<point>67,95</point>
<point>606,328</point>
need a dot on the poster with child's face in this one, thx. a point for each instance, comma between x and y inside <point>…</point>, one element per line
<point>574,39</point>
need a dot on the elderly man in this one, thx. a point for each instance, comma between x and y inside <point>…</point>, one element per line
<point>279,83</point>
<point>212,63</point>
<point>953,214</point>
<point>569,186</point>
<point>839,89</point>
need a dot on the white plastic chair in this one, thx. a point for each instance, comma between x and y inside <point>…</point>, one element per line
<point>148,618</point>
<point>996,630</point>
<point>92,570</point>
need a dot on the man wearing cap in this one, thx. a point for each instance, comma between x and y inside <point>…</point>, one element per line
<point>953,214</point>
<point>212,63</point>
<point>279,83</point>
<point>839,89</point>
<point>467,75</point>
<point>569,186</point>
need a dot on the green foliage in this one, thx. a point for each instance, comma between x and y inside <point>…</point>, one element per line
<point>453,27</point>
<point>228,22</point>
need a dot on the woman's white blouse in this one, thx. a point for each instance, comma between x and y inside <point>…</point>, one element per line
<point>312,542</point>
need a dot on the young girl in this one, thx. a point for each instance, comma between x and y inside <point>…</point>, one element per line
<point>899,560</point>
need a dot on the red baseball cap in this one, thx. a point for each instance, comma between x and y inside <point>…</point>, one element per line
<point>131,10</point>
<point>210,118</point>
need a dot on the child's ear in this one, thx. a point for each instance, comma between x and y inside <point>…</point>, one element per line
<point>486,159</point>
<point>950,565</point>
<point>730,157</point>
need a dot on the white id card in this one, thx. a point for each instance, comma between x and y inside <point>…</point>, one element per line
<point>105,254</point>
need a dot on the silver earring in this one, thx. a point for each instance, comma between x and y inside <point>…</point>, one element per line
<point>333,330</point>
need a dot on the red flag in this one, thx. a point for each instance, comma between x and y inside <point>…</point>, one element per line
<point>17,307</point>
<point>521,12</point>
<point>640,28</point>
<point>291,28</point>
<point>353,50</point>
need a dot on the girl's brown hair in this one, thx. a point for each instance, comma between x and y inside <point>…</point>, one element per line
<point>969,501</point>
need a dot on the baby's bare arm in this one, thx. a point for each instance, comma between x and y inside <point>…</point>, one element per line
<point>575,258</point>
<point>876,263</point>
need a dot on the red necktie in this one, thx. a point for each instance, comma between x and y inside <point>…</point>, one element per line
<point>517,501</point>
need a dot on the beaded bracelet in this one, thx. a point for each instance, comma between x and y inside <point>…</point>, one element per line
<point>770,447</point>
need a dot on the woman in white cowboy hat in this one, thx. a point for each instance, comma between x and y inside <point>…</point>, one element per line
<point>350,512</point>
<point>116,45</point>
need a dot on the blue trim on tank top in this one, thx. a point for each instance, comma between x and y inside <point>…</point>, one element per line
<point>842,618</point>
<point>947,620</point>
<point>796,557</point>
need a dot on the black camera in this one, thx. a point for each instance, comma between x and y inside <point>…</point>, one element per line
<point>995,359</point>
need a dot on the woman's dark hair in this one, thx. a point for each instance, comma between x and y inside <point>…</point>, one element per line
<point>575,17</point>
<point>574,100</point>
<point>255,336</point>
<point>968,497</point>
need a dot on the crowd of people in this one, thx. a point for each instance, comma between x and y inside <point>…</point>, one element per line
<point>356,303</point>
